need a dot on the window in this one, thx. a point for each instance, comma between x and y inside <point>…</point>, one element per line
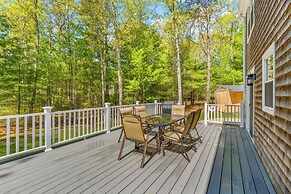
<point>268,64</point>
<point>250,19</point>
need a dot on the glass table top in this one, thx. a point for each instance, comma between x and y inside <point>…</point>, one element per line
<point>160,120</point>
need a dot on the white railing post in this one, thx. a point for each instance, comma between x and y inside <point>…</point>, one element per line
<point>107,117</point>
<point>137,103</point>
<point>156,106</point>
<point>47,128</point>
<point>8,136</point>
<point>241,115</point>
<point>205,113</point>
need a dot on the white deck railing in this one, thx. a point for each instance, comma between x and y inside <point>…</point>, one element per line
<point>218,113</point>
<point>32,132</point>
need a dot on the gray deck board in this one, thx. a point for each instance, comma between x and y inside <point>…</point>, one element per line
<point>249,186</point>
<point>205,176</point>
<point>257,176</point>
<point>91,166</point>
<point>242,169</point>
<point>165,182</point>
<point>262,168</point>
<point>199,167</point>
<point>57,156</point>
<point>182,181</point>
<point>225,184</point>
<point>236,178</point>
<point>179,169</point>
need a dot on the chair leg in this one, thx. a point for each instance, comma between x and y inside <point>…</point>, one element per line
<point>187,157</point>
<point>121,148</point>
<point>158,144</point>
<point>192,142</point>
<point>120,135</point>
<point>199,137</point>
<point>144,152</point>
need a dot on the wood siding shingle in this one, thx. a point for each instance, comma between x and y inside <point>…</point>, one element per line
<point>273,25</point>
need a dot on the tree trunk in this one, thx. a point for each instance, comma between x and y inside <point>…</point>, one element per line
<point>178,64</point>
<point>102,79</point>
<point>19,90</point>
<point>208,91</point>
<point>120,87</point>
<point>119,75</point>
<point>208,43</point>
<point>35,69</point>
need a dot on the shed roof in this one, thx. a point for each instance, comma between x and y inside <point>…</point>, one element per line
<point>234,88</point>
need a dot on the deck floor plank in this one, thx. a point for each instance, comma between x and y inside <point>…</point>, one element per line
<point>91,166</point>
<point>214,184</point>
<point>242,170</point>
<point>225,184</point>
<point>199,167</point>
<point>261,167</point>
<point>236,176</point>
<point>182,180</point>
<point>36,178</point>
<point>205,176</point>
<point>164,183</point>
<point>248,182</point>
<point>254,167</point>
<point>58,156</point>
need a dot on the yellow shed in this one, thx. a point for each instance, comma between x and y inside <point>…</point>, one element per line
<point>229,94</point>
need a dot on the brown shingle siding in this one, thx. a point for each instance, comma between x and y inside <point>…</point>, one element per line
<point>272,24</point>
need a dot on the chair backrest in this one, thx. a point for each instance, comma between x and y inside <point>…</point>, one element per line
<point>178,109</point>
<point>188,124</point>
<point>132,127</point>
<point>126,110</point>
<point>196,117</point>
<point>141,111</point>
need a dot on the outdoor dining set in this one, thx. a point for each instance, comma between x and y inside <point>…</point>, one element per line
<point>165,129</point>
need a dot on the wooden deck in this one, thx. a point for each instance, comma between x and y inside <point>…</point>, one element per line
<point>91,166</point>
<point>237,167</point>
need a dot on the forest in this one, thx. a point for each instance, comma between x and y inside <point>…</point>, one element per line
<point>72,54</point>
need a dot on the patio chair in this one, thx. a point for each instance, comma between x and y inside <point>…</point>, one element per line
<point>178,109</point>
<point>196,117</point>
<point>141,111</point>
<point>134,132</point>
<point>122,112</point>
<point>179,135</point>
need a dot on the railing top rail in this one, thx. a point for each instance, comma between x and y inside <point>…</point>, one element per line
<point>151,103</point>
<point>127,105</point>
<point>223,104</point>
<point>77,110</point>
<point>21,116</point>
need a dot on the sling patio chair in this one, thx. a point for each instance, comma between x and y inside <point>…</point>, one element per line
<point>133,131</point>
<point>141,111</point>
<point>122,112</point>
<point>178,109</point>
<point>180,134</point>
<point>196,117</point>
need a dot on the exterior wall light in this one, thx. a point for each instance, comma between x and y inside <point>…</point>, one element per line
<point>250,79</point>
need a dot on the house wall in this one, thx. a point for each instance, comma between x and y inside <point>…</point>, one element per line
<point>273,133</point>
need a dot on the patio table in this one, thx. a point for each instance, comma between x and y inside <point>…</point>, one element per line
<point>160,122</point>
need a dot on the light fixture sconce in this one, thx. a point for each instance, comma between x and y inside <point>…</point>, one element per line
<point>250,79</point>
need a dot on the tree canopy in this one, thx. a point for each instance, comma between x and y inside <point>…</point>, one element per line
<point>72,54</point>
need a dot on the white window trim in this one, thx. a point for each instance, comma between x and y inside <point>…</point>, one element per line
<point>270,51</point>
<point>252,5</point>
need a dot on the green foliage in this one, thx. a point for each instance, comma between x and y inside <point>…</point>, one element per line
<point>62,53</point>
